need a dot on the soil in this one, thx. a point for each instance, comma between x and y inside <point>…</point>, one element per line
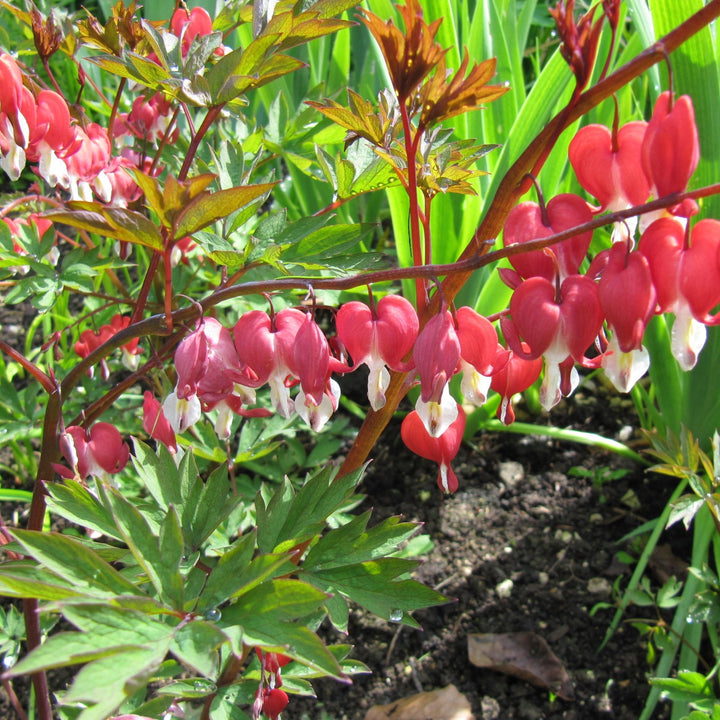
<point>522,546</point>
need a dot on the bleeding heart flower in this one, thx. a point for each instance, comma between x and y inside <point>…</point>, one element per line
<point>313,363</point>
<point>441,450</point>
<point>611,169</point>
<point>155,423</point>
<point>379,338</point>
<point>671,151</point>
<point>478,342</point>
<point>527,222</point>
<point>558,326</point>
<point>686,279</point>
<point>436,356</point>
<point>98,451</point>
<point>513,375</point>
<point>627,295</point>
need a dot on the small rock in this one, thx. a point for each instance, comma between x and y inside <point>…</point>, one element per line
<point>504,589</point>
<point>625,433</point>
<point>511,473</point>
<point>543,578</point>
<point>599,586</point>
<point>596,518</point>
<point>490,708</point>
<point>564,536</point>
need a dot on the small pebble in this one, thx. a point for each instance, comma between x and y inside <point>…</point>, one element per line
<point>504,589</point>
<point>599,586</point>
<point>543,578</point>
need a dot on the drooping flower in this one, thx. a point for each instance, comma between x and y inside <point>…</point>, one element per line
<point>686,279</point>
<point>209,371</point>
<point>557,324</point>
<point>627,297</point>
<point>267,345</point>
<point>526,222</point>
<point>513,374</point>
<point>441,449</point>
<point>670,150</point>
<point>478,341</point>
<point>314,363</point>
<point>611,169</point>
<point>155,424</point>
<point>436,356</point>
<point>98,450</point>
<point>378,339</point>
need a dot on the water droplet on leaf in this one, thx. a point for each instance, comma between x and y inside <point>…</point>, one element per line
<point>396,615</point>
<point>213,615</point>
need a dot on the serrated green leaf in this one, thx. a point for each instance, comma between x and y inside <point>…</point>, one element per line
<point>104,631</point>
<point>289,519</point>
<point>103,685</point>
<point>227,576</point>
<point>350,543</point>
<point>70,559</point>
<point>207,507</point>
<point>77,504</point>
<point>162,572</point>
<point>373,585</point>
<point>158,473</point>
<point>207,208</point>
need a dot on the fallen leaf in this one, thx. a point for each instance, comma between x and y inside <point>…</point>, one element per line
<point>447,703</point>
<point>665,564</point>
<point>524,655</point>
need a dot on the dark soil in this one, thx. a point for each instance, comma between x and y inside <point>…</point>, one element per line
<point>522,546</point>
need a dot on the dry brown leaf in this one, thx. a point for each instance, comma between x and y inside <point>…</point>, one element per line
<point>524,655</point>
<point>445,704</point>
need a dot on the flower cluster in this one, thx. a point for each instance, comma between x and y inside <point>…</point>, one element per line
<point>558,314</point>
<point>38,127</point>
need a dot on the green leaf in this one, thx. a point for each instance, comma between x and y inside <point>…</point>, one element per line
<point>207,208</point>
<point>687,687</point>
<point>76,503</point>
<point>290,519</point>
<point>163,572</point>
<point>351,543</point>
<point>105,684</point>
<point>196,645</point>
<point>23,580</point>
<point>373,585</point>
<point>158,473</point>
<point>207,506</point>
<point>70,559</point>
<point>104,631</point>
<point>267,614</point>
<point>227,576</point>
